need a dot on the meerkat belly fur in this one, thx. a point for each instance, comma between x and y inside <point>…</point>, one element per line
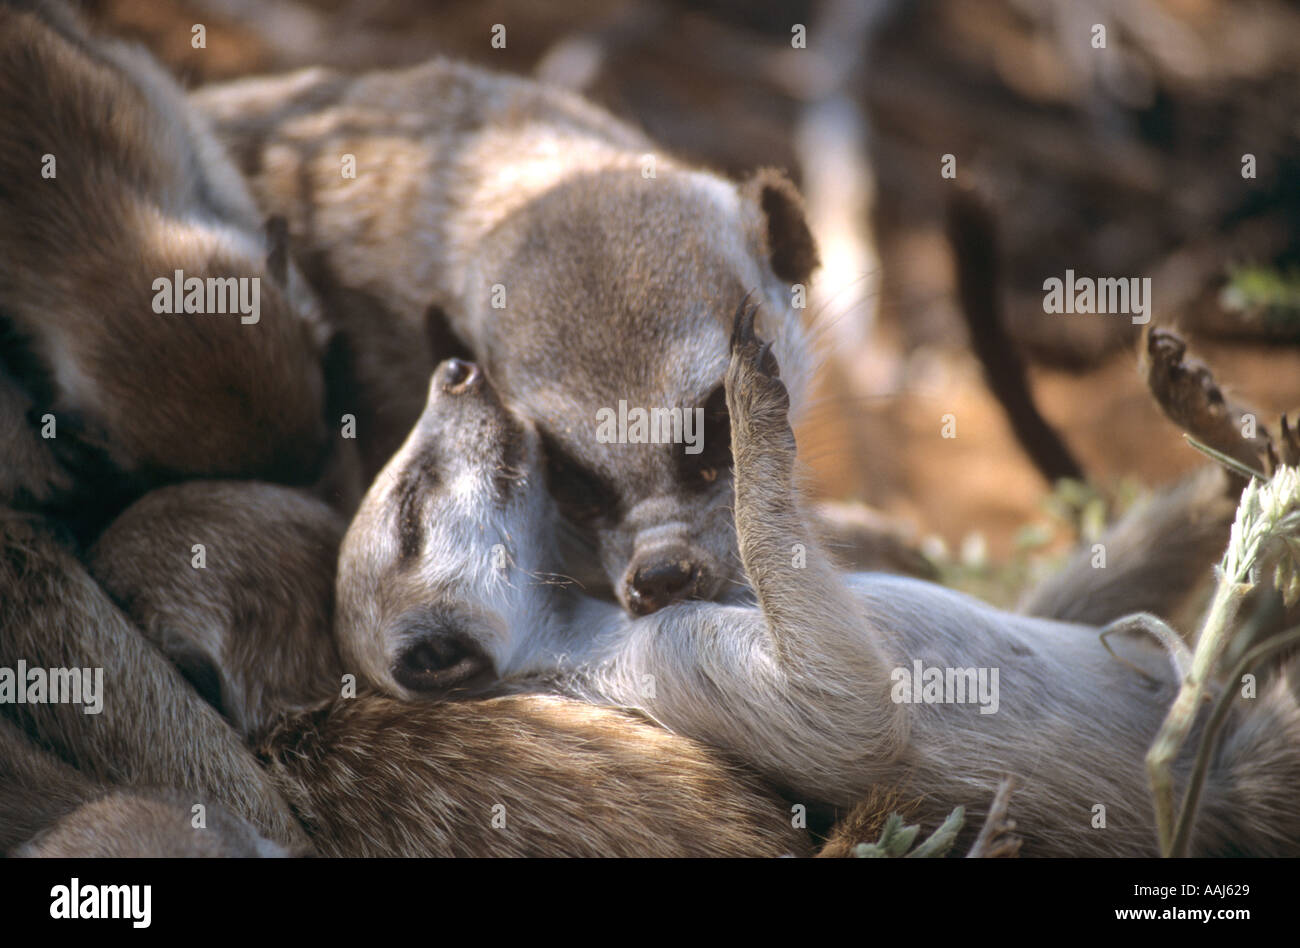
<point>115,200</point>
<point>443,585</point>
<point>592,274</point>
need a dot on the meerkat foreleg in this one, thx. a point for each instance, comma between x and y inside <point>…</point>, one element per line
<point>817,630</point>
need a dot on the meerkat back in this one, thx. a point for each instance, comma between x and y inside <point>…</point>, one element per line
<point>143,308</point>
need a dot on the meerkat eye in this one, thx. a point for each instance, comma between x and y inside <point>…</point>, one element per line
<point>437,655</point>
<point>714,458</point>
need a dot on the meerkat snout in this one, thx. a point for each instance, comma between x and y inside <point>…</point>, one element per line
<point>664,577</point>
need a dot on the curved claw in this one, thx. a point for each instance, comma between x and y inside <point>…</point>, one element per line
<point>742,324</point>
<point>766,361</point>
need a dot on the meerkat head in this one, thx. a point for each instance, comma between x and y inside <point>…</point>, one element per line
<point>605,308</point>
<point>434,572</point>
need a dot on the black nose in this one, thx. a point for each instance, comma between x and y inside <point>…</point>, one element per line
<point>656,584</point>
<point>458,376</point>
<point>440,661</point>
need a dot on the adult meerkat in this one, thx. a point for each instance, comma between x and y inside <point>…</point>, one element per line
<point>528,775</point>
<point>443,585</point>
<point>591,273</point>
<point>116,203</point>
<point>150,728</point>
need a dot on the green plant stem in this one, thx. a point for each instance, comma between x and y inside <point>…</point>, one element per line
<point>1183,832</point>
<point>1182,714</point>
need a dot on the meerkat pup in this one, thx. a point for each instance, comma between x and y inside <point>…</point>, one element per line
<point>158,330</point>
<point>36,788</point>
<point>234,582</point>
<point>50,809</point>
<point>529,775</point>
<point>591,273</point>
<point>131,824</point>
<point>77,678</point>
<point>826,683</point>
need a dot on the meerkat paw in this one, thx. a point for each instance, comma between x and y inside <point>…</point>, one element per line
<point>757,399</point>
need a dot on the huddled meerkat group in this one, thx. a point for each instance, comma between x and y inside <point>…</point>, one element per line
<point>361,576</point>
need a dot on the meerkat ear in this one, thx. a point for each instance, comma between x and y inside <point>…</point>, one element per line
<point>786,240</point>
<point>277,255</point>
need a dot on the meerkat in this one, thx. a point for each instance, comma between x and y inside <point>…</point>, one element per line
<point>806,683</point>
<point>591,273</point>
<point>144,725</point>
<point>50,809</point>
<point>143,307</point>
<point>36,788</point>
<point>242,619</point>
<point>32,476</point>
<point>131,824</point>
<point>530,775</point>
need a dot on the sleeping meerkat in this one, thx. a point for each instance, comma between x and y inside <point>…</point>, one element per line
<point>131,824</point>
<point>445,584</point>
<point>592,274</point>
<point>246,628</point>
<point>36,788</point>
<point>149,729</point>
<point>142,305</point>
<point>532,775</point>
<point>50,809</point>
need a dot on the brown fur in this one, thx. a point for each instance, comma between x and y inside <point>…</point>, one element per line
<point>153,730</point>
<point>865,821</point>
<point>132,824</point>
<point>53,810</point>
<point>574,780</point>
<point>141,190</point>
<point>36,788</point>
<point>32,475</point>
<point>247,628</point>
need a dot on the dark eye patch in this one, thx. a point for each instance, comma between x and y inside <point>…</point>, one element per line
<point>414,483</point>
<point>701,471</point>
<point>581,494</point>
<point>513,459</point>
<point>201,671</point>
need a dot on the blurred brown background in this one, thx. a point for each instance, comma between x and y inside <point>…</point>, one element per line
<point>1117,162</point>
